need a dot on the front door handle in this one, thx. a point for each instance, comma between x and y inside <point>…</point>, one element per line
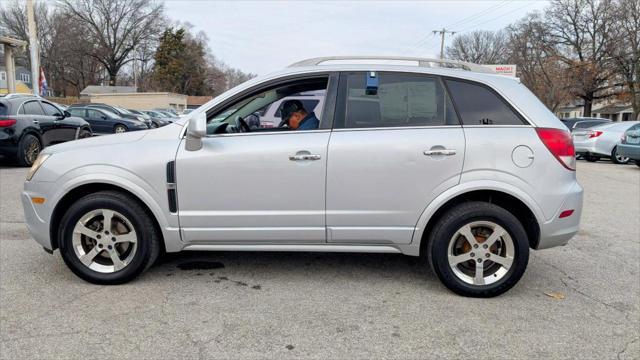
<point>303,157</point>
<point>445,152</point>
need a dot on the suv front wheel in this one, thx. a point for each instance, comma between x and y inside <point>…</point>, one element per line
<point>478,249</point>
<point>108,238</point>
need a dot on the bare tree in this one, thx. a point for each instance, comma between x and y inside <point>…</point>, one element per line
<point>579,29</point>
<point>116,27</point>
<point>481,47</point>
<point>539,67</point>
<point>623,46</point>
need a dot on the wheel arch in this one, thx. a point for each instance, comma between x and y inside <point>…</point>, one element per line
<point>89,188</point>
<point>505,199</point>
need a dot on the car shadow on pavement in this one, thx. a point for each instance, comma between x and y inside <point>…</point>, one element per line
<point>311,266</point>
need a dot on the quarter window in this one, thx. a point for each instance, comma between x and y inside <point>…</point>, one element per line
<point>477,105</point>
<point>399,100</point>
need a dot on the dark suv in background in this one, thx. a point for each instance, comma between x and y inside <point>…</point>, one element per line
<point>28,124</point>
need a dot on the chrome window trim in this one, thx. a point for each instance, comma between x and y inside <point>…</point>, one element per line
<point>268,132</point>
<point>398,128</point>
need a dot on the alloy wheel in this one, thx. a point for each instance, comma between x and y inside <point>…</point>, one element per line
<point>481,253</point>
<point>32,150</point>
<point>104,240</point>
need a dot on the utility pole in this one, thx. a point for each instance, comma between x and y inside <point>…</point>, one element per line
<point>33,47</point>
<point>442,34</point>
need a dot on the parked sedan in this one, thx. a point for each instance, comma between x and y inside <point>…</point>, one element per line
<point>602,141</point>
<point>156,122</point>
<point>106,122</point>
<point>121,112</point>
<point>28,124</point>
<point>630,144</point>
<point>583,122</point>
<point>161,115</point>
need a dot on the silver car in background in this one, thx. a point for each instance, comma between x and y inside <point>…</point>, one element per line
<point>432,158</point>
<point>602,141</point>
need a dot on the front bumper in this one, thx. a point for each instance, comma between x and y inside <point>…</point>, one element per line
<point>558,231</point>
<point>37,215</point>
<point>630,151</point>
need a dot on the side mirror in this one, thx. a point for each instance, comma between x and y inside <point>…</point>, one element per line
<point>196,130</point>
<point>66,114</point>
<point>103,117</point>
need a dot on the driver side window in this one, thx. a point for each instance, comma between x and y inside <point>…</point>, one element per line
<point>290,106</point>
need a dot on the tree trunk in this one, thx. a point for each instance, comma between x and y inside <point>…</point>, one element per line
<point>588,103</point>
<point>112,79</point>
<point>635,99</point>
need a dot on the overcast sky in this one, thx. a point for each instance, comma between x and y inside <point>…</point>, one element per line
<point>264,36</point>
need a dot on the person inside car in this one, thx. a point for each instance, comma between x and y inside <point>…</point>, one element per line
<point>296,117</point>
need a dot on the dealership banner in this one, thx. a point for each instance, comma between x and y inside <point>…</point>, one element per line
<point>508,70</point>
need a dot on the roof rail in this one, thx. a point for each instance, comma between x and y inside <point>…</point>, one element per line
<point>421,62</point>
<point>18,95</point>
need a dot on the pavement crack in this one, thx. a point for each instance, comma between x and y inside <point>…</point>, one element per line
<point>626,347</point>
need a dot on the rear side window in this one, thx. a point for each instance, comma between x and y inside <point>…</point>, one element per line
<point>401,100</point>
<point>588,124</point>
<point>31,108</point>
<point>4,110</point>
<point>478,105</point>
<point>94,114</point>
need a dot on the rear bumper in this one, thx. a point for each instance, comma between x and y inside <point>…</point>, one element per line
<point>630,151</point>
<point>585,147</point>
<point>557,231</point>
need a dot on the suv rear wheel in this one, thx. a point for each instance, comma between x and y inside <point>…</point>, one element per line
<point>108,238</point>
<point>28,149</point>
<point>478,249</point>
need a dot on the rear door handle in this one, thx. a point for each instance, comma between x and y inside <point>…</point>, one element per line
<point>303,157</point>
<point>445,152</point>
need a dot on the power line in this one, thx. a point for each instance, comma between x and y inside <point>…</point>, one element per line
<point>468,18</point>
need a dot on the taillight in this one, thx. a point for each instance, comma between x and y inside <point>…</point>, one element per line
<point>560,144</point>
<point>594,134</point>
<point>7,122</point>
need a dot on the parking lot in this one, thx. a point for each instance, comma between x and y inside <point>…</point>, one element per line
<point>578,301</point>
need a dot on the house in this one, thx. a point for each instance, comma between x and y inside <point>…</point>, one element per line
<point>98,89</point>
<point>23,80</point>
<point>128,97</point>
<point>194,102</point>
<point>614,112</point>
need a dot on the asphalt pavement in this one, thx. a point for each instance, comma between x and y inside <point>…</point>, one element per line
<point>578,301</point>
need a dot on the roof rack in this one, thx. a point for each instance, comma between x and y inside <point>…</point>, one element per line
<point>421,62</point>
<point>18,95</point>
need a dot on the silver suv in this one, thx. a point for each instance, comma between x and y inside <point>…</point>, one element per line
<point>428,158</point>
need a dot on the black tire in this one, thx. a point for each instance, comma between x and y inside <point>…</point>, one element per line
<point>84,133</point>
<point>466,213</point>
<point>148,238</point>
<point>591,158</point>
<point>614,159</point>
<point>119,129</point>
<point>28,149</point>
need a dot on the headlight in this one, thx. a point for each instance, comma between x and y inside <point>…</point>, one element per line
<point>42,157</point>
